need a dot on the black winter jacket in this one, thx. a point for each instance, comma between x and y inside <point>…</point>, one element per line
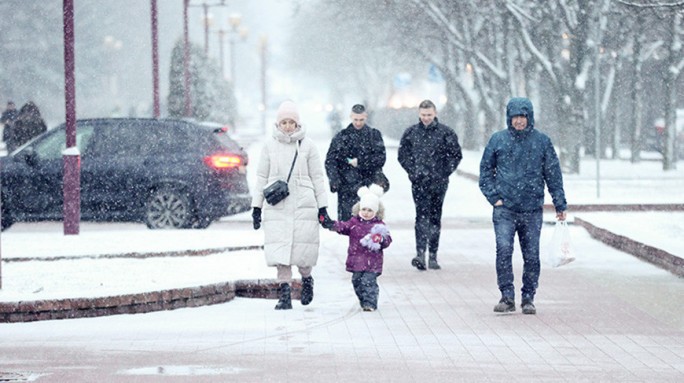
<point>364,144</point>
<point>429,154</point>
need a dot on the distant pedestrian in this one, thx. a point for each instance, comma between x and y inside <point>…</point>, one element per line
<point>28,125</point>
<point>368,236</point>
<point>291,227</point>
<point>7,120</point>
<point>515,165</point>
<point>355,158</point>
<point>335,121</point>
<point>429,152</point>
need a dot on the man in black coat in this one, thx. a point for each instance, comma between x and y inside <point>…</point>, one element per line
<point>429,152</point>
<point>354,159</point>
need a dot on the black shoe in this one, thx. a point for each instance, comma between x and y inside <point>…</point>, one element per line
<point>368,308</point>
<point>527,307</point>
<point>307,290</point>
<point>432,262</point>
<point>419,262</point>
<point>284,299</point>
<point>505,305</point>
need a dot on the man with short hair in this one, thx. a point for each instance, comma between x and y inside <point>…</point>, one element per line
<point>515,165</point>
<point>429,152</point>
<point>355,156</point>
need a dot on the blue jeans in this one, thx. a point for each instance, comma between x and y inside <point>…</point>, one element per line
<point>528,226</point>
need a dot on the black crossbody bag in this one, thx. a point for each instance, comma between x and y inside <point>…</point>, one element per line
<point>278,190</point>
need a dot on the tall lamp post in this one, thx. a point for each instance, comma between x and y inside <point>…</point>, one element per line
<point>207,20</point>
<point>242,32</point>
<point>71,156</point>
<point>263,54</point>
<point>186,62</point>
<point>234,21</point>
<point>155,59</point>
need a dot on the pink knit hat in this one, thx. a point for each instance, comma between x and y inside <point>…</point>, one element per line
<point>288,109</point>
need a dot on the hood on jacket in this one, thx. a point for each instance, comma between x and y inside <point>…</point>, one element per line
<point>520,106</point>
<point>297,135</point>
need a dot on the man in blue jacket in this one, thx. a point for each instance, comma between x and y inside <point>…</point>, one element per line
<point>515,166</point>
<point>429,152</point>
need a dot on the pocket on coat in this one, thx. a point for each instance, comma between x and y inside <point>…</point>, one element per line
<point>306,196</point>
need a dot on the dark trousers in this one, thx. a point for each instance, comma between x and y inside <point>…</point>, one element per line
<point>429,200</point>
<point>345,201</point>
<point>366,288</point>
<point>528,226</point>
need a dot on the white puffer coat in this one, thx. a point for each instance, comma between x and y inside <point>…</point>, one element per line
<point>291,227</point>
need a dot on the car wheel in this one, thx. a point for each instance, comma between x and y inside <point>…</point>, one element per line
<point>168,209</point>
<point>6,219</point>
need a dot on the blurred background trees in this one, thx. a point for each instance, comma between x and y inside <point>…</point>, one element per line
<point>605,75</point>
<point>580,61</point>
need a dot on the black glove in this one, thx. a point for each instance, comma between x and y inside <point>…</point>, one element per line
<point>324,218</point>
<point>256,218</point>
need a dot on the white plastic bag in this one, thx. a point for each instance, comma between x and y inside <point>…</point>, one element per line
<point>560,250</point>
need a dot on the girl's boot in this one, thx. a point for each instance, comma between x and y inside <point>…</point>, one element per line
<point>284,300</point>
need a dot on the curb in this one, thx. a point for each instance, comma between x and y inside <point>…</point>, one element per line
<point>30,311</point>
<point>172,253</point>
<point>655,256</point>
<point>597,207</point>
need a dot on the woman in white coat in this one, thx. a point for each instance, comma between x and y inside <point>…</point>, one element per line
<point>291,226</point>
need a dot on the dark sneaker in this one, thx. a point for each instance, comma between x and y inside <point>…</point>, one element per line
<point>368,308</point>
<point>419,262</point>
<point>527,307</point>
<point>505,305</point>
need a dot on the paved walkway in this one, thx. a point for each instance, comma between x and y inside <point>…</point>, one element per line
<point>605,317</point>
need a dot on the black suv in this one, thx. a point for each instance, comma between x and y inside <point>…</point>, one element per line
<point>166,173</point>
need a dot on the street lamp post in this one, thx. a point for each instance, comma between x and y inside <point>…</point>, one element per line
<point>234,31</point>
<point>221,34</point>
<point>263,50</point>
<point>155,59</point>
<point>234,21</point>
<point>71,157</point>
<point>206,20</point>
<point>186,61</point>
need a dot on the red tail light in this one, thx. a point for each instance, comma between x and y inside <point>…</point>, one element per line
<point>223,161</point>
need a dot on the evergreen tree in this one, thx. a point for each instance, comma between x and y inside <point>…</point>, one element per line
<point>212,97</point>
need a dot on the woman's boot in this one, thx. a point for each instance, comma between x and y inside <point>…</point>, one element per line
<point>307,290</point>
<point>284,300</point>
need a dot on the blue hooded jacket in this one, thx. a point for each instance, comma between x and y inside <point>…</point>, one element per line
<point>516,164</point>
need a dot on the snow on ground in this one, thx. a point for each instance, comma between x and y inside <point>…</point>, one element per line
<point>464,206</point>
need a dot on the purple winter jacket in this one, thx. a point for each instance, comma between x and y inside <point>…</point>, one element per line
<point>359,257</point>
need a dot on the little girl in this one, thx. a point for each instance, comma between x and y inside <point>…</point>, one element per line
<point>368,236</point>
